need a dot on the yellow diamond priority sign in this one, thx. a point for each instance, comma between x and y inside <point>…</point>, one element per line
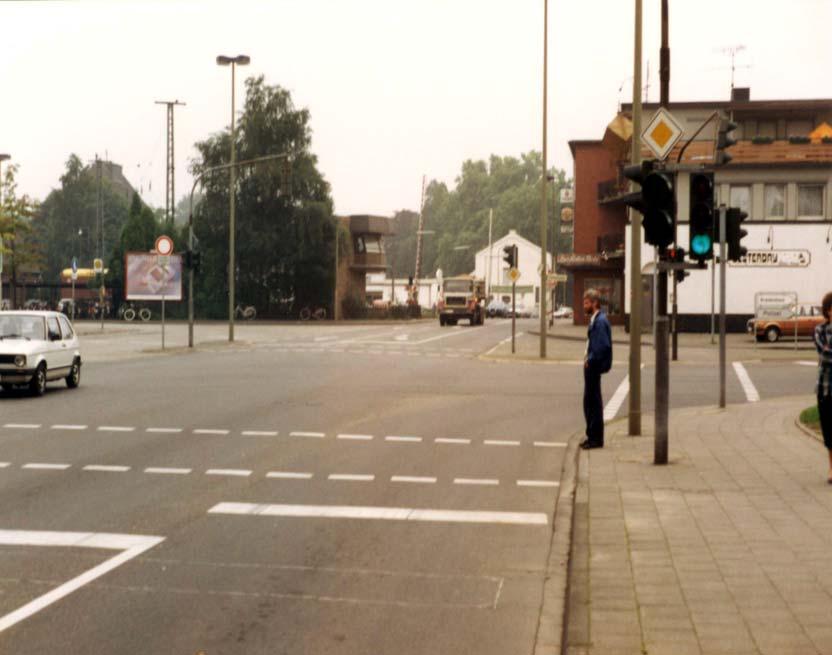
<point>662,133</point>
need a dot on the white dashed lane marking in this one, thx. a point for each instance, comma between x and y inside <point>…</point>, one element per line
<point>106,468</point>
<point>404,439</point>
<point>5,465</point>
<point>164,430</point>
<point>309,435</point>
<point>259,433</point>
<point>355,437</point>
<point>61,426</point>
<point>242,473</point>
<point>22,426</point>
<point>498,442</point>
<point>115,428</point>
<point>210,431</point>
<point>550,444</point>
<point>537,483</point>
<point>487,482</point>
<point>289,475</point>
<point>464,442</point>
<point>414,479</point>
<point>45,466</point>
<point>351,477</point>
<point>164,470</point>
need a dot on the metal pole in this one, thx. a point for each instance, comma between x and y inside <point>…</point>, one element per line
<point>543,184</point>
<point>635,245</point>
<point>73,299</point>
<point>490,253</point>
<point>102,292</point>
<point>163,322</point>
<point>723,252</point>
<point>662,364</point>
<point>674,346</point>
<point>232,174</point>
<point>513,314</point>
<point>713,300</point>
<point>335,287</point>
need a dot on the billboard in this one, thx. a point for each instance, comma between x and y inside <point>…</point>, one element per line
<point>148,279</point>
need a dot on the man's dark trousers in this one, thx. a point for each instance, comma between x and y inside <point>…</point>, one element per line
<point>593,406</point>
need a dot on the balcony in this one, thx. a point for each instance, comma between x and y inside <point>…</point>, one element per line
<point>369,261</point>
<point>611,244</point>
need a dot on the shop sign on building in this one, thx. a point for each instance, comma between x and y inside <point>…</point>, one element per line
<point>775,259</point>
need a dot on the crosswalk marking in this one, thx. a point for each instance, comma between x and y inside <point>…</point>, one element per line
<point>751,393</point>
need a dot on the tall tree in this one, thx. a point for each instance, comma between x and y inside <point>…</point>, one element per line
<point>21,250</point>
<point>66,223</point>
<point>138,234</point>
<point>285,242</point>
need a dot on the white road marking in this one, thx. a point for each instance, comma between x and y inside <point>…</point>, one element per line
<point>537,483</point>
<point>617,399</point>
<point>259,433</point>
<point>209,431</point>
<point>42,466</point>
<point>311,435</point>
<point>288,475</point>
<point>5,465</point>
<point>164,430</point>
<point>490,482</point>
<point>453,441</point>
<point>806,363</point>
<point>163,470</point>
<point>549,444</point>
<point>751,393</point>
<point>350,477</point>
<point>115,428</point>
<point>355,437</point>
<point>106,468</point>
<point>403,439</point>
<point>22,426</point>
<point>381,513</point>
<point>503,342</point>
<point>413,479</point>
<point>132,545</point>
<point>61,426</point>
<point>499,442</point>
<point>235,472</point>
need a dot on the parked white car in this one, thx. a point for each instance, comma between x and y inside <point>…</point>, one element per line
<point>38,347</point>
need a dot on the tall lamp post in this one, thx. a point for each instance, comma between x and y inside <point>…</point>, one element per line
<point>3,157</point>
<point>239,60</point>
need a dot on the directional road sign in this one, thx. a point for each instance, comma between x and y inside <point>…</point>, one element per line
<point>662,133</point>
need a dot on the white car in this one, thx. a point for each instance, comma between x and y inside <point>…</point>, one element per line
<point>562,312</point>
<point>37,347</point>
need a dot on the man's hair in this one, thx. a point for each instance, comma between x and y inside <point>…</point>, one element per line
<point>593,295</point>
<point>826,305</point>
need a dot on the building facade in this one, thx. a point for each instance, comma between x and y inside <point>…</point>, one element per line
<point>363,255</point>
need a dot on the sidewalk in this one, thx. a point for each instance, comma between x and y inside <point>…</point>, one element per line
<point>728,549</point>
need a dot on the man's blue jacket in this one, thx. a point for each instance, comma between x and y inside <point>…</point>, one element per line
<point>599,348</point>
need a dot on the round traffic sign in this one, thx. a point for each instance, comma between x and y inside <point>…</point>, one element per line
<point>164,245</point>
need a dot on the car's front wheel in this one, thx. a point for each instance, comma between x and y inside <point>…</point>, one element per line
<point>37,385</point>
<point>772,334</point>
<point>74,377</point>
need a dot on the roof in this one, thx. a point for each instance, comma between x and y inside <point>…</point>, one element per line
<point>583,142</point>
<point>812,104</point>
<point>746,153</point>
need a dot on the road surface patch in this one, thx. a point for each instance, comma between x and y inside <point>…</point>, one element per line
<point>131,545</point>
<point>381,513</point>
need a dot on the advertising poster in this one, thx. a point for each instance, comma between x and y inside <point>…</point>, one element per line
<point>148,279</point>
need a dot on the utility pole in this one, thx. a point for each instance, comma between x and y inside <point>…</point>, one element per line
<point>635,244</point>
<point>490,254</point>
<point>418,268</point>
<point>662,365</point>
<point>100,222</point>
<point>543,183</point>
<point>170,195</point>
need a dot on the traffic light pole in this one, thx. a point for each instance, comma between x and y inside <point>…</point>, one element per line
<point>513,314</point>
<point>723,256</point>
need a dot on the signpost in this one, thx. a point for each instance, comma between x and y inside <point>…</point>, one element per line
<point>74,277</point>
<point>514,275</point>
<point>164,249</point>
<point>1,273</point>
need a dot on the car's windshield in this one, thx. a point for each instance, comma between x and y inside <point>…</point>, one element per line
<point>20,326</point>
<point>457,286</point>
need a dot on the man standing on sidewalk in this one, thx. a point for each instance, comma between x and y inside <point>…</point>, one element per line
<point>598,360</point>
<point>823,342</point>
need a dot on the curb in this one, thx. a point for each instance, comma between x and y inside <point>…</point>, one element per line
<point>554,610</point>
<point>809,432</point>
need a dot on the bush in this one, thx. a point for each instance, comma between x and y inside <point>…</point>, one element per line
<point>810,417</point>
<point>355,307</point>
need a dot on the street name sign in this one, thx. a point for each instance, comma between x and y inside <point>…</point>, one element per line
<point>662,133</point>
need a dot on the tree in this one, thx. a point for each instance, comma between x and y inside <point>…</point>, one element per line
<point>20,248</point>
<point>459,216</point>
<point>138,234</point>
<point>66,223</point>
<point>285,242</point>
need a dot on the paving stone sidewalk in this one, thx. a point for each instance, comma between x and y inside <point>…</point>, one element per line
<point>728,549</point>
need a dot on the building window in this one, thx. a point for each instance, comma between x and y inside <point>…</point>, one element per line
<point>610,290</point>
<point>810,201</point>
<point>372,243</point>
<point>798,128</point>
<point>767,128</point>
<point>775,201</point>
<point>740,196</point>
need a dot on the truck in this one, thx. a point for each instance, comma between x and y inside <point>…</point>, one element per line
<point>462,297</point>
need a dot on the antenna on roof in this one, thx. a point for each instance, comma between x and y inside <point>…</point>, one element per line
<point>733,51</point>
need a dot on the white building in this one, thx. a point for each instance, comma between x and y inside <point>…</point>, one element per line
<point>381,287</point>
<point>489,264</point>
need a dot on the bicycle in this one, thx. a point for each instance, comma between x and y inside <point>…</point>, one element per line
<point>247,312</point>
<point>129,313</point>
<point>307,312</point>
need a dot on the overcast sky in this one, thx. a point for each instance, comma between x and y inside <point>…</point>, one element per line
<point>396,89</point>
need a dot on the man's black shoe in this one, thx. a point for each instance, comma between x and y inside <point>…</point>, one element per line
<point>586,444</point>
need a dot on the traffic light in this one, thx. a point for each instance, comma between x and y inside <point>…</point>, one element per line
<point>656,201</point>
<point>510,256</point>
<point>724,141</point>
<point>677,255</point>
<point>701,216</point>
<point>734,233</point>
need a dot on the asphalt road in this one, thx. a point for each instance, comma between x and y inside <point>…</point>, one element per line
<point>311,489</point>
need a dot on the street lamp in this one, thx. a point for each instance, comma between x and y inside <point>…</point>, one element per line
<point>239,60</point>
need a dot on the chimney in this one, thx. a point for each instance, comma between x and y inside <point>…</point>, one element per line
<point>741,94</point>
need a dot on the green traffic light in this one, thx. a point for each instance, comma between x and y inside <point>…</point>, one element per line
<point>700,244</point>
